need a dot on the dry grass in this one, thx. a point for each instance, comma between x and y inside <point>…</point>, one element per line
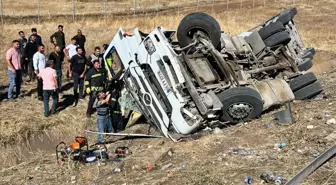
<point>317,23</point>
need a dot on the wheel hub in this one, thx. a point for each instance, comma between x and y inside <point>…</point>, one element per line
<point>239,111</point>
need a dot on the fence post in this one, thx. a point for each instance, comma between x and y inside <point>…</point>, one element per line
<point>2,20</point>
<point>264,3</point>
<point>241,4</point>
<point>212,7</point>
<point>227,4</point>
<point>73,10</point>
<point>253,4</point>
<point>134,7</point>
<point>198,3</point>
<point>104,9</point>
<point>38,11</point>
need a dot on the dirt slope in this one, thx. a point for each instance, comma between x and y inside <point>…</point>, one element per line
<point>210,159</point>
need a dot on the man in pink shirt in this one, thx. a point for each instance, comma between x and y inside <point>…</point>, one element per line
<point>13,59</point>
<point>50,88</point>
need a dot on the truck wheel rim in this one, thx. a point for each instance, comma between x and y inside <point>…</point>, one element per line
<point>239,111</point>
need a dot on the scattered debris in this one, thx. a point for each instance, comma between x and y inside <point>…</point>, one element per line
<point>244,151</point>
<point>169,174</point>
<point>170,153</point>
<point>284,117</point>
<point>270,177</point>
<point>331,121</point>
<point>218,131</point>
<point>37,167</point>
<point>122,151</point>
<point>73,179</point>
<point>310,126</point>
<point>282,145</point>
<point>116,170</point>
<point>165,167</point>
<point>149,167</point>
<point>268,126</point>
<point>249,180</point>
<point>183,165</point>
<point>316,155</point>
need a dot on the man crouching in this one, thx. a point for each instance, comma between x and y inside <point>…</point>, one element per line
<point>104,121</point>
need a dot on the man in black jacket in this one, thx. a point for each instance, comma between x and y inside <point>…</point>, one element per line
<point>23,42</point>
<point>57,58</point>
<point>80,40</point>
<point>77,71</point>
<point>38,39</point>
<point>29,51</point>
<point>59,38</point>
<point>94,82</point>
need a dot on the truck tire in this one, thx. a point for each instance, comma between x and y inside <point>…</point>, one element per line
<point>292,11</point>
<point>284,18</point>
<point>302,81</point>
<point>311,50</point>
<point>308,91</point>
<point>307,54</point>
<point>240,104</point>
<point>306,64</point>
<point>278,39</point>
<point>198,21</point>
<point>271,29</point>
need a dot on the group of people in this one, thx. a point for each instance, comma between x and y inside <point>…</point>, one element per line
<point>26,58</point>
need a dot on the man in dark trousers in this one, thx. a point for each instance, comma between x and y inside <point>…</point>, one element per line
<point>94,82</point>
<point>23,42</point>
<point>77,71</point>
<point>96,56</point>
<point>38,39</point>
<point>59,38</point>
<point>80,40</point>
<point>57,58</point>
<point>29,51</point>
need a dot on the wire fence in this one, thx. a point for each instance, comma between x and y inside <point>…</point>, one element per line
<point>46,9</point>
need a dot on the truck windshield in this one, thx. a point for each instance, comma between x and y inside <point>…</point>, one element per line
<point>113,61</point>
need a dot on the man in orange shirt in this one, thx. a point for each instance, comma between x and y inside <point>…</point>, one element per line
<point>13,59</point>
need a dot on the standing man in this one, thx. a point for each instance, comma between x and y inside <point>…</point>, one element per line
<point>77,71</point>
<point>48,76</point>
<point>95,56</point>
<point>39,64</point>
<point>38,39</point>
<point>57,58</point>
<point>13,58</point>
<point>94,81</point>
<point>104,121</point>
<point>80,40</point>
<point>30,50</point>
<point>23,42</point>
<point>69,52</point>
<point>59,38</point>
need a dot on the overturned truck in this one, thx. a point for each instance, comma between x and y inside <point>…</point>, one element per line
<point>207,77</point>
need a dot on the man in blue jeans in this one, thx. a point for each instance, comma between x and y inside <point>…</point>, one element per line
<point>104,121</point>
<point>13,59</point>
<point>50,88</point>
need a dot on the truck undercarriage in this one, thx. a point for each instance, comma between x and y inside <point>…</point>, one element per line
<point>209,78</point>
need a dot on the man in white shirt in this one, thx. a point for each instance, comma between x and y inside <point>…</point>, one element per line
<point>70,51</point>
<point>39,62</point>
